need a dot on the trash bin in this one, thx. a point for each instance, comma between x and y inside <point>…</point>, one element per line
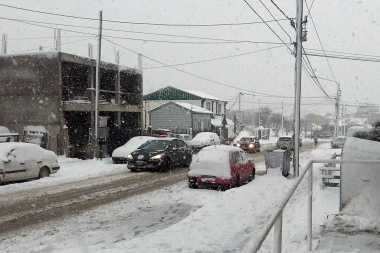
<point>278,159</point>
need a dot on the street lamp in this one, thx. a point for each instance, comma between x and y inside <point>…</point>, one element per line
<point>337,101</point>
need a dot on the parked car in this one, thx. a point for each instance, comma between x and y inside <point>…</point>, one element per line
<point>160,155</point>
<point>287,142</point>
<point>7,136</point>
<point>22,161</point>
<point>184,137</point>
<point>120,154</point>
<point>338,142</point>
<point>250,144</point>
<point>220,166</point>
<point>162,133</point>
<point>204,139</point>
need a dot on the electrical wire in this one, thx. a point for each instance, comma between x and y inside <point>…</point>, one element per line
<point>320,42</point>
<point>311,6</point>
<point>267,24</point>
<point>138,23</point>
<point>129,31</point>
<point>149,40</point>
<point>290,38</point>
<point>314,75</point>
<point>45,37</point>
<point>283,13</point>
<point>344,57</point>
<point>65,43</point>
<point>213,59</point>
<point>344,53</point>
<point>197,76</point>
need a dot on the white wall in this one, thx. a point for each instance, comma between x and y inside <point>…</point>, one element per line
<point>359,178</point>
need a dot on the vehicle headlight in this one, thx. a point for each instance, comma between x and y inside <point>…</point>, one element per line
<point>130,157</point>
<point>251,145</point>
<point>238,145</point>
<point>156,157</point>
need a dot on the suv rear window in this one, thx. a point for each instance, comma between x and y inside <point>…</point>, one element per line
<point>285,138</point>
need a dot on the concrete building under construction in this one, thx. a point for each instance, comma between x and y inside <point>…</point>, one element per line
<point>57,91</point>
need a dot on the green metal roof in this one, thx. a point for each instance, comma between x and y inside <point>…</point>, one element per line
<point>171,93</point>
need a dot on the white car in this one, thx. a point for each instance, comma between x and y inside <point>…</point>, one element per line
<point>184,137</point>
<point>22,161</point>
<point>204,139</point>
<point>338,142</point>
<point>120,154</point>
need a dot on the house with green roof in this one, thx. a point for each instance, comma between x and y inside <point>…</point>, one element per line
<point>168,94</point>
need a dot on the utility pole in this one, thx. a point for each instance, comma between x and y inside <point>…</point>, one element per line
<point>117,57</point>
<point>240,112</point>
<point>140,61</point>
<point>4,43</point>
<point>90,50</point>
<point>282,117</point>
<point>337,101</point>
<point>341,128</point>
<point>259,114</point>
<point>97,82</point>
<point>299,33</point>
<point>57,39</point>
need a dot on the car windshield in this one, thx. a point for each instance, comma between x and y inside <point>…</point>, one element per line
<point>246,139</point>
<point>285,138</point>
<point>155,145</point>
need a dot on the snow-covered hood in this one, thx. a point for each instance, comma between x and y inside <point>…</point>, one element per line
<point>131,146</point>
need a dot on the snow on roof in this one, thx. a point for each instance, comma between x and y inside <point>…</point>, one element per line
<point>202,94</point>
<point>193,108</point>
<point>217,121</point>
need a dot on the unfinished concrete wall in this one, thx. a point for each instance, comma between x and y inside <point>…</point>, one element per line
<point>357,179</point>
<point>29,91</point>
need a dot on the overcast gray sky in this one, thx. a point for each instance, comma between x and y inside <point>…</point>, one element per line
<point>343,25</point>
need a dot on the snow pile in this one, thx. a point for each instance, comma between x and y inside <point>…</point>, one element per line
<point>131,146</point>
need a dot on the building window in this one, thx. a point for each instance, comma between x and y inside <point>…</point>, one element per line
<point>219,110</point>
<point>208,106</point>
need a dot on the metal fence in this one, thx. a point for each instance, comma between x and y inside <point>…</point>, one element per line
<point>276,219</point>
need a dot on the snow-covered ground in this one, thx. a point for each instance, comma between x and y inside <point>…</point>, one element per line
<point>179,219</point>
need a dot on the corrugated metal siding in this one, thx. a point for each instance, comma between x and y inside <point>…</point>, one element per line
<point>205,118</point>
<point>170,116</point>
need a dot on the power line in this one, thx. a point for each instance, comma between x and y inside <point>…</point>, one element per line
<point>344,53</point>
<point>45,37</point>
<point>314,75</point>
<point>267,25</point>
<point>200,77</point>
<point>320,42</point>
<point>129,31</point>
<point>344,57</point>
<point>290,38</point>
<point>214,59</point>
<point>311,6</point>
<point>138,23</point>
<point>283,13</point>
<point>221,41</point>
<point>65,43</point>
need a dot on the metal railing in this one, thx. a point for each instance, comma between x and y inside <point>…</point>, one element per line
<point>276,219</point>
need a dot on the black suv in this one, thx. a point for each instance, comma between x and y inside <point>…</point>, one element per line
<point>160,155</point>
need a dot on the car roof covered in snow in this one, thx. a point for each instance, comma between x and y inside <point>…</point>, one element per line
<point>224,148</point>
<point>7,147</point>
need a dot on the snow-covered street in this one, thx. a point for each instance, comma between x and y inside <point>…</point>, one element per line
<point>179,219</point>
